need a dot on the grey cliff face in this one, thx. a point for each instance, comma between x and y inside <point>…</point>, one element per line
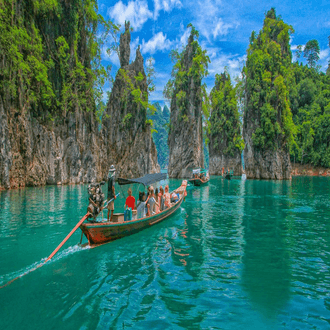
<point>5,149</point>
<point>124,51</point>
<point>128,141</point>
<point>33,154</point>
<point>265,164</point>
<point>185,138</point>
<point>218,160</point>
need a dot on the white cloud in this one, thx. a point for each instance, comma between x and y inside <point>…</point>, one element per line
<point>233,62</point>
<point>113,58</point>
<point>158,42</point>
<point>166,5</point>
<point>137,12</point>
<point>221,29</point>
<point>184,38</point>
<point>324,53</point>
<point>208,21</point>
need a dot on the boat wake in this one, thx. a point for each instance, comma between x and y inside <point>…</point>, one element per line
<point>11,277</point>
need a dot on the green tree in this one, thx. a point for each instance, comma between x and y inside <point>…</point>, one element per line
<point>311,52</point>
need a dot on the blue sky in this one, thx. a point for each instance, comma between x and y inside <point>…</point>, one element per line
<point>224,26</point>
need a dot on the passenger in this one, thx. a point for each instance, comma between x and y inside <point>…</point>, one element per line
<point>167,198</point>
<point>147,201</point>
<point>174,197</point>
<point>151,202</point>
<point>157,200</point>
<point>141,205</point>
<point>130,200</point>
<point>111,191</point>
<point>161,198</point>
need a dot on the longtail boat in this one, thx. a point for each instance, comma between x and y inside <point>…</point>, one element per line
<point>103,232</point>
<point>200,177</point>
<point>99,233</point>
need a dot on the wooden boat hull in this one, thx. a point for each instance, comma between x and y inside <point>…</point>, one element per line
<point>100,233</point>
<point>198,182</point>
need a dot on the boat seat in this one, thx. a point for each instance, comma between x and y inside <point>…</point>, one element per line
<point>118,217</point>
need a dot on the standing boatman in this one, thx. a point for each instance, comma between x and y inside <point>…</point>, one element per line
<point>111,190</point>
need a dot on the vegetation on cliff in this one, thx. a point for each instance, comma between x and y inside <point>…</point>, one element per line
<point>310,105</point>
<point>50,55</point>
<point>225,126</point>
<point>183,72</point>
<point>268,74</point>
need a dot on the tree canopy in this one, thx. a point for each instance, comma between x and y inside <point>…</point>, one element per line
<point>267,76</point>
<point>225,125</point>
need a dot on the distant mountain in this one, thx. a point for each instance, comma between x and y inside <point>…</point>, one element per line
<point>161,120</point>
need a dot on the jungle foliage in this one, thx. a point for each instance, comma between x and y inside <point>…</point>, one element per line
<point>50,55</point>
<point>288,103</point>
<point>310,105</point>
<point>268,74</point>
<point>225,125</point>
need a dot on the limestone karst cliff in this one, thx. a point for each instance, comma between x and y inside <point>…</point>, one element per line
<point>125,129</point>
<point>33,154</point>
<point>49,130</point>
<point>225,140</point>
<point>268,127</point>
<point>48,126</point>
<point>185,139</point>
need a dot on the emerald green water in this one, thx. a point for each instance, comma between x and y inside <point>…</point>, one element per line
<point>237,255</point>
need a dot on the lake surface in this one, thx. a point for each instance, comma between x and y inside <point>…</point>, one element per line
<point>237,255</point>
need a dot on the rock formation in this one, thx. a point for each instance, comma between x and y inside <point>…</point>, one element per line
<point>126,132</point>
<point>268,127</point>
<point>265,164</point>
<point>225,140</point>
<point>49,132</point>
<point>48,128</point>
<point>33,154</point>
<point>185,139</point>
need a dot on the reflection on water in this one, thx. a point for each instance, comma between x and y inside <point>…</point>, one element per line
<point>237,255</point>
<point>266,260</point>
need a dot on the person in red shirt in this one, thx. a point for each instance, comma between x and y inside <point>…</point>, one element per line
<point>130,200</point>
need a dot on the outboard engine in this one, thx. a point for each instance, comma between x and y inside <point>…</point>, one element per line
<point>95,198</point>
